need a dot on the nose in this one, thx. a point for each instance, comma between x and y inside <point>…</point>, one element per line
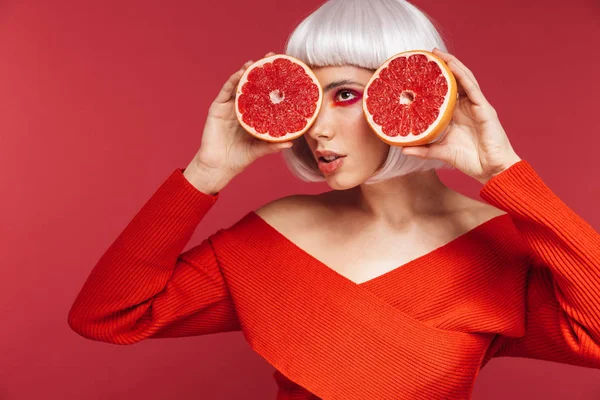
<point>323,127</point>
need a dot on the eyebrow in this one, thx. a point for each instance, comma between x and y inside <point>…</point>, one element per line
<point>335,84</point>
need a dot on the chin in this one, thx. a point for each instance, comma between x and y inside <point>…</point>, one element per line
<point>344,181</point>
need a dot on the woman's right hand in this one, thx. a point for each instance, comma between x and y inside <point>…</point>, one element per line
<point>226,147</point>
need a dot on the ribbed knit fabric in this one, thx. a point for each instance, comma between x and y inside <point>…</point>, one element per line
<point>522,284</point>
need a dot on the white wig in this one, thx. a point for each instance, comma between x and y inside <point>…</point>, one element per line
<point>362,33</point>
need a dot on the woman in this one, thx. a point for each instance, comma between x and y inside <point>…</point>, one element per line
<point>389,286</point>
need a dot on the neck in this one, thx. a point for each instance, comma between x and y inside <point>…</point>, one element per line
<point>400,199</point>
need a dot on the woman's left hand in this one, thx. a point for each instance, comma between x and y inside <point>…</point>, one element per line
<point>474,142</point>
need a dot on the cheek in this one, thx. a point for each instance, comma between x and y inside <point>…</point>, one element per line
<point>353,119</point>
<point>374,147</point>
<point>370,149</point>
<point>365,134</point>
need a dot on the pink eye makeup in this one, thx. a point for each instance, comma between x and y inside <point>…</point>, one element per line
<point>346,97</point>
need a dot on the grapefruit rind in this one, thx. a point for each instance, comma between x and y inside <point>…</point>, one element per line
<point>291,135</point>
<point>446,109</point>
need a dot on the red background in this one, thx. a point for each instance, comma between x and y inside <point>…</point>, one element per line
<point>101,102</point>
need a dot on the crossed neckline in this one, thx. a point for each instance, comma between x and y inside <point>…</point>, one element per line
<point>402,268</point>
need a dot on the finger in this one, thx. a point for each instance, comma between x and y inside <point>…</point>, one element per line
<point>275,147</point>
<point>467,84</point>
<point>228,89</point>
<point>269,54</point>
<point>263,148</point>
<point>430,151</point>
<point>460,89</point>
<point>447,57</point>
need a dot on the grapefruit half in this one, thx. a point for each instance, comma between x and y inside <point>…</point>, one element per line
<point>410,98</point>
<point>278,98</point>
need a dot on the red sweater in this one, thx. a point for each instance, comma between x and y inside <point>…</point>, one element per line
<point>522,284</point>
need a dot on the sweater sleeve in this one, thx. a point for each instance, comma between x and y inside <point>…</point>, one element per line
<point>563,281</point>
<point>145,287</point>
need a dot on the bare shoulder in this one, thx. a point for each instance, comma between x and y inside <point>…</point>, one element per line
<point>289,209</point>
<point>475,212</point>
<point>291,214</point>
